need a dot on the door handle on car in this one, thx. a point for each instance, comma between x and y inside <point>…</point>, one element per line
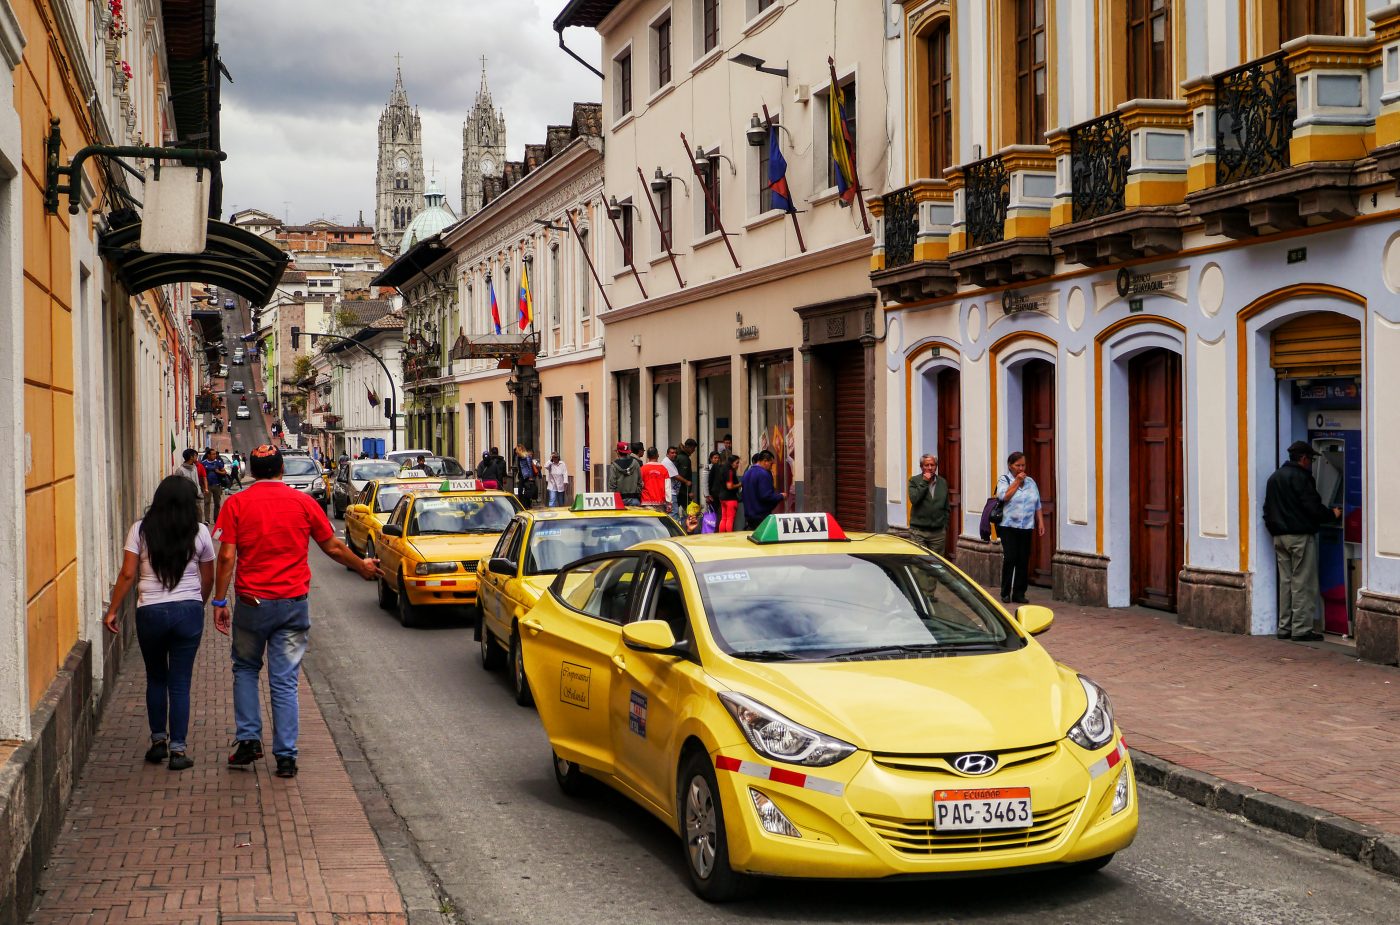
<point>534,626</point>
<point>620,662</point>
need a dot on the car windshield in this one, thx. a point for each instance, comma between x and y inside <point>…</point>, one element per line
<point>440,465</point>
<point>299,465</point>
<point>556,543</point>
<point>467,514</point>
<point>373,469</point>
<point>387,497</point>
<point>848,606</point>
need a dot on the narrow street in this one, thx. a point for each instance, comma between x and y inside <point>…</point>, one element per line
<point>468,772</point>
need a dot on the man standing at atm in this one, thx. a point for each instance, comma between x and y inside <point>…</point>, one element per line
<point>1293,513</point>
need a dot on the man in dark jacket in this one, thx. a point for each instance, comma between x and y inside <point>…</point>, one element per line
<point>928,505</point>
<point>759,495</point>
<point>625,475</point>
<point>1293,512</point>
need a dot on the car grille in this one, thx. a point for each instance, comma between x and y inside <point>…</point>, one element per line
<point>943,764</point>
<point>918,837</point>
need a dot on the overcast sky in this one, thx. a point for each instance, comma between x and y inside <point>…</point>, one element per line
<point>311,77</point>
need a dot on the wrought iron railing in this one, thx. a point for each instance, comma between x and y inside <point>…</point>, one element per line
<point>1256,105</point>
<point>1099,160</point>
<point>901,214</point>
<point>986,195</point>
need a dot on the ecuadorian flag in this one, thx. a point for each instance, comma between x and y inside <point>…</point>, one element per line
<point>495,312</point>
<point>842,155</point>
<point>527,308</point>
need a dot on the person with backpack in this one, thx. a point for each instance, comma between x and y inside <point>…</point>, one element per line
<point>169,557</point>
<point>624,475</point>
<point>526,476</point>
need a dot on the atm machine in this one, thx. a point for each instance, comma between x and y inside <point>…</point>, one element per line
<point>1335,433</point>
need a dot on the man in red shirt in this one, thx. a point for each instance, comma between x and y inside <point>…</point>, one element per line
<point>264,529</point>
<point>655,478</point>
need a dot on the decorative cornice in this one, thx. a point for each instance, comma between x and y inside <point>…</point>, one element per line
<point>812,260</point>
<point>11,37</point>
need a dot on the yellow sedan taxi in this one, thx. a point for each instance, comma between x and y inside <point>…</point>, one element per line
<point>802,703</point>
<point>430,545</point>
<point>370,510</point>
<point>534,547</point>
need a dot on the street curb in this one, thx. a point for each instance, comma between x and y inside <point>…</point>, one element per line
<point>1362,843</point>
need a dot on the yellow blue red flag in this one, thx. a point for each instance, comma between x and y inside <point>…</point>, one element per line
<point>527,308</point>
<point>842,145</point>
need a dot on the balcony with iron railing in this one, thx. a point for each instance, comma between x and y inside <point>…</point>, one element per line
<point>1001,216</point>
<point>910,261</point>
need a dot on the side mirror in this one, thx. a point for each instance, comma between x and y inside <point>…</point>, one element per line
<point>392,530</point>
<point>649,636</point>
<point>1034,619</point>
<point>499,566</point>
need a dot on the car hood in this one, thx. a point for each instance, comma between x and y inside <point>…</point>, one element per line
<point>447,547</point>
<point>923,705</point>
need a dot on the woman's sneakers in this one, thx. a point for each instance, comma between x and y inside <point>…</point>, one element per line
<point>245,752</point>
<point>157,752</point>
<point>179,761</point>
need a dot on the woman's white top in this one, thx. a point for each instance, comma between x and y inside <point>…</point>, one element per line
<point>149,589</point>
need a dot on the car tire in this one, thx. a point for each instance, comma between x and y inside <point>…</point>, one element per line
<point>493,657</point>
<point>569,776</point>
<point>518,682</point>
<point>408,613</point>
<point>703,835</point>
<point>387,596</point>
<point>339,511</point>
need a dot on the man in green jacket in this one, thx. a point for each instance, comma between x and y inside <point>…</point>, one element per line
<point>928,505</point>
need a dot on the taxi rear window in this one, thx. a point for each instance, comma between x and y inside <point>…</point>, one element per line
<point>556,543</point>
<point>847,606</point>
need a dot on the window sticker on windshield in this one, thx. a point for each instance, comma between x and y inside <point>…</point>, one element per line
<point>552,531</point>
<point>637,714</point>
<point>716,578</point>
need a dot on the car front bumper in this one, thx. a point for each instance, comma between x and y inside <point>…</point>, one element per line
<point>873,819</point>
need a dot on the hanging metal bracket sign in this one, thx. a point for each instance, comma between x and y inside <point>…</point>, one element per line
<point>57,171</point>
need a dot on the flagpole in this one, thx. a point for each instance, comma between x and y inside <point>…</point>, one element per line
<point>851,155</point>
<point>588,259</point>
<point>665,235</point>
<point>709,199</point>
<point>631,258</point>
<point>792,208</point>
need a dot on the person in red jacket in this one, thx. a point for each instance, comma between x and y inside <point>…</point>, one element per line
<point>655,478</point>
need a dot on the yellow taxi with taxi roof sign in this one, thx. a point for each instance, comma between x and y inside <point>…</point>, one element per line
<point>371,508</point>
<point>429,548</point>
<point>533,548</point>
<point>797,702</point>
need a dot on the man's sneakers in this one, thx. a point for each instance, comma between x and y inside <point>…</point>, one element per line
<point>245,753</point>
<point>286,766</point>
<point>157,752</point>
<point>179,761</point>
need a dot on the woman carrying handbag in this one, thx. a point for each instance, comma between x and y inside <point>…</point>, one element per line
<point>1021,519</point>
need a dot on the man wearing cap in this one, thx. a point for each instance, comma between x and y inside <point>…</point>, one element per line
<point>1293,512</point>
<point>625,474</point>
<point>264,530</point>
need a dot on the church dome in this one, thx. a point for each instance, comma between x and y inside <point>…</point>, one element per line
<point>437,216</point>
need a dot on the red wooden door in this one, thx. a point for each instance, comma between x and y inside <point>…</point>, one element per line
<point>950,451</point>
<point>853,456</point>
<point>1038,443</point>
<point>1155,492</point>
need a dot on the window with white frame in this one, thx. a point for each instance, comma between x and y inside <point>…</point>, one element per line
<point>706,26</point>
<point>488,424</point>
<point>469,415</point>
<point>554,284</point>
<point>661,51</point>
<point>556,426</point>
<point>821,124</point>
<point>710,178</point>
<point>585,282</point>
<point>754,7</point>
<point>664,234</point>
<point>622,84</point>
<point>760,197</point>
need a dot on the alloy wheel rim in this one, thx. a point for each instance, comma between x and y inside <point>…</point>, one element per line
<point>701,830</point>
<point>517,665</point>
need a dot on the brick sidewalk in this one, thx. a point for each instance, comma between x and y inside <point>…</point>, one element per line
<point>141,843</point>
<point>1306,722</point>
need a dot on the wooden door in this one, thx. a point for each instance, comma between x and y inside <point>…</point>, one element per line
<point>853,456</point>
<point>1155,481</point>
<point>1038,443</point>
<point>950,450</point>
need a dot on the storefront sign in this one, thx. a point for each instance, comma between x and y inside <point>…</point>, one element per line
<point>1012,303</point>
<point>1136,284</point>
<point>502,346</point>
<point>747,332</point>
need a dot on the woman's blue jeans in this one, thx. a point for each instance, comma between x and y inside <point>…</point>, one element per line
<point>169,637</point>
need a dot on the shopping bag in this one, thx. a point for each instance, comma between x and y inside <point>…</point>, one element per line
<point>709,523</point>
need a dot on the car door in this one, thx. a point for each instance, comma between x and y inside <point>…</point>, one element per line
<point>490,586</point>
<point>568,642</point>
<point>357,525</point>
<point>646,690</point>
<point>343,489</point>
<point>390,549</point>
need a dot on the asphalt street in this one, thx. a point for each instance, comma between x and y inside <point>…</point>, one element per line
<point>467,771</point>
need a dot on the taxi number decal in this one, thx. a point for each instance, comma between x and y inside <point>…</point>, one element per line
<point>637,714</point>
<point>715,578</point>
<point>574,683</point>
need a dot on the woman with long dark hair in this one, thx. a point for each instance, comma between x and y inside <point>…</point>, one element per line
<point>729,495</point>
<point>170,557</point>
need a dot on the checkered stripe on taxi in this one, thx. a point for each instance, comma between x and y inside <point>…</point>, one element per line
<point>779,775</point>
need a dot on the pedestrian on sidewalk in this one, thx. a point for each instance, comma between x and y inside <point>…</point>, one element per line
<point>625,475</point>
<point>1293,512</point>
<point>191,469</point>
<point>214,484</point>
<point>713,475</point>
<point>170,558</point>
<point>264,531</point>
<point>758,493</point>
<point>1021,519</point>
<point>236,470</point>
<point>728,496</point>
<point>527,473</point>
<point>655,479</point>
<point>928,505</point>
<point>556,480</point>
<point>673,485</point>
<point>685,478</point>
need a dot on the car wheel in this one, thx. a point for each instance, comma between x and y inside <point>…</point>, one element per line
<point>702,828</point>
<point>492,655</point>
<point>387,596</point>
<point>569,776</point>
<point>408,612</point>
<point>517,672</point>
<point>339,511</point>
<point>350,544</point>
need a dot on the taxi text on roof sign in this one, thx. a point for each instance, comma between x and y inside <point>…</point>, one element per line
<point>789,528</point>
<point>458,485</point>
<point>597,501</point>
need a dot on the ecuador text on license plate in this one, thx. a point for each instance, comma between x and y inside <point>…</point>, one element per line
<point>989,808</point>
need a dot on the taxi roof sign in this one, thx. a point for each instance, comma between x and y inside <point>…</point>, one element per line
<point>458,485</point>
<point>797,528</point>
<point>597,501</point>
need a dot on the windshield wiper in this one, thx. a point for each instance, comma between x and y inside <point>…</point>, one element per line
<point>763,655</point>
<point>919,647</point>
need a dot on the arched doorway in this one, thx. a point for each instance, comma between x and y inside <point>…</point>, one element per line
<point>1038,443</point>
<point>1156,491</point>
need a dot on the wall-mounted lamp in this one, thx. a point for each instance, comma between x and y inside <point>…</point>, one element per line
<point>748,60</point>
<point>757,133</point>
<point>660,182</point>
<point>615,208</point>
<point>702,160</point>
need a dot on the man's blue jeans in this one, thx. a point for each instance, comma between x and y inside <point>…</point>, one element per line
<point>169,635</point>
<point>279,628</point>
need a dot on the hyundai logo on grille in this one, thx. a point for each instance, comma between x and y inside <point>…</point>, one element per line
<point>975,764</point>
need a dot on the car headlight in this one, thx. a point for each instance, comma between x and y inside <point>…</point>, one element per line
<point>1094,729</point>
<point>434,568</point>
<point>775,736</point>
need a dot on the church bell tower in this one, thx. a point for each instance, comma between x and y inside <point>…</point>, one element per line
<point>483,146</point>
<point>399,182</point>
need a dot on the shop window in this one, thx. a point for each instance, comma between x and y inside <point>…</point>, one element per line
<point>772,417</point>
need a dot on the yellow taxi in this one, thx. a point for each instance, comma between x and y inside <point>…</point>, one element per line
<point>370,510</point>
<point>429,547</point>
<point>534,547</point>
<point>797,702</point>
